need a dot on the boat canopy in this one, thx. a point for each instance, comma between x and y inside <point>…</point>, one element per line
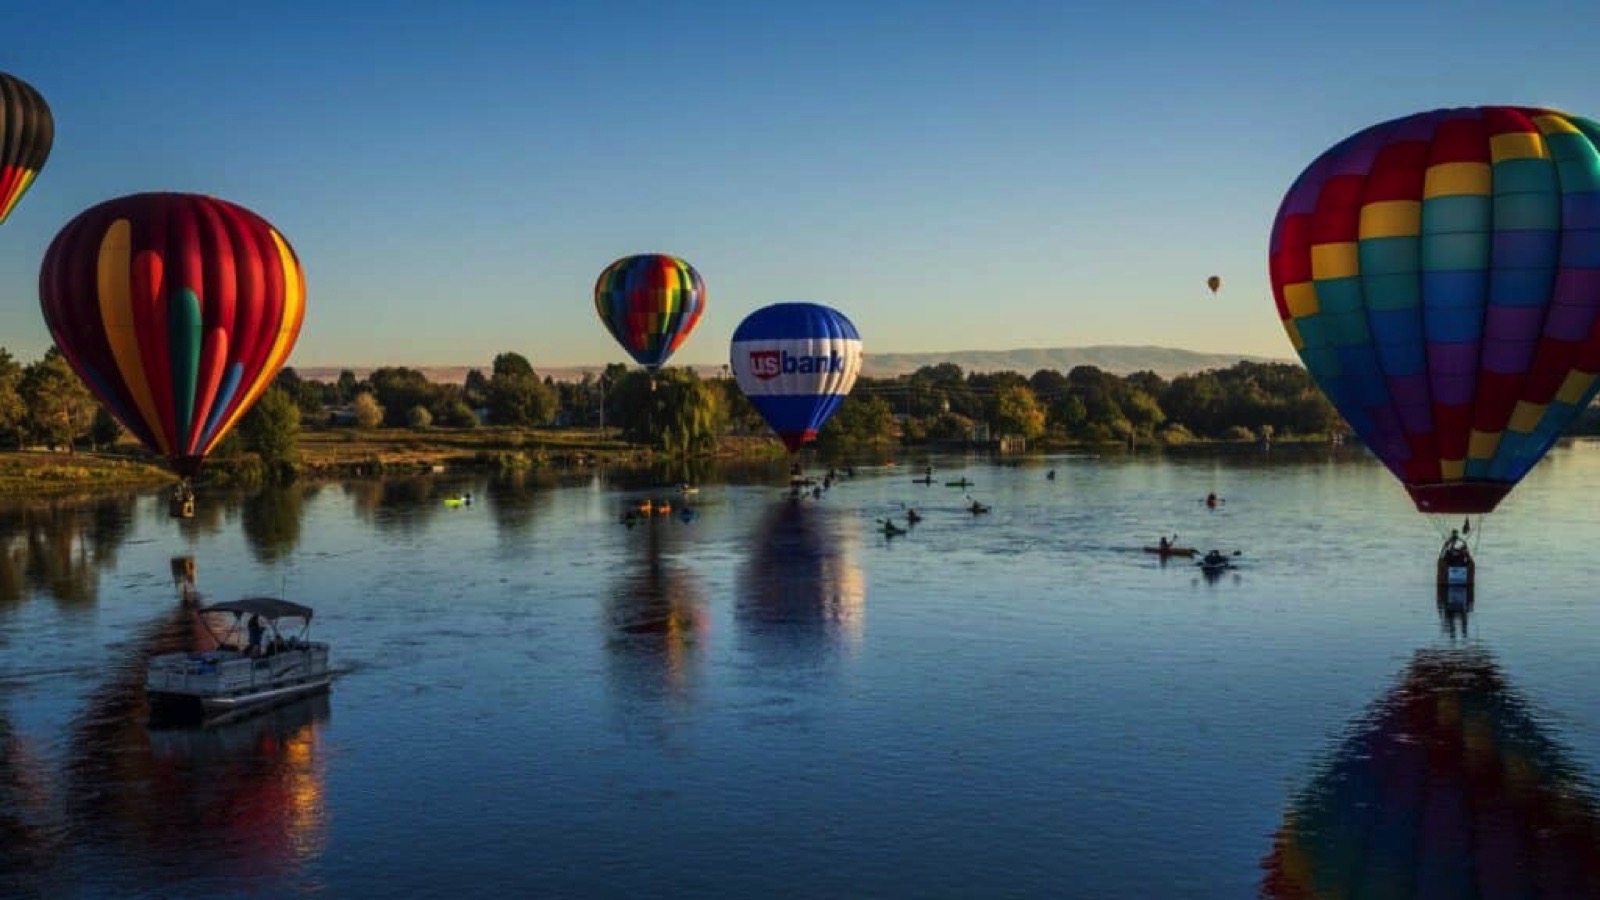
<point>266,607</point>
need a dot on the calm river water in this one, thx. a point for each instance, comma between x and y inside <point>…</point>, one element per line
<point>774,700</point>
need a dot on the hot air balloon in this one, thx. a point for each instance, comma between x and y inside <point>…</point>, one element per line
<point>26,132</point>
<point>1439,275</point>
<point>1450,787</point>
<point>796,363</point>
<point>1214,283</point>
<point>650,304</point>
<point>177,310</point>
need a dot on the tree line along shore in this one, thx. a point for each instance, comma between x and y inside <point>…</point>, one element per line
<point>507,418</point>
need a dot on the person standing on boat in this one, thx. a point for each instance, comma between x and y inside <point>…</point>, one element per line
<point>255,636</point>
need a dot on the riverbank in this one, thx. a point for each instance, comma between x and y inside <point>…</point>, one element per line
<point>38,472</point>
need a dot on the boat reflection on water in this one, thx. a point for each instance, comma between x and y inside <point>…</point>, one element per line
<point>802,594</point>
<point>243,798</point>
<point>1449,787</point>
<point>657,615</point>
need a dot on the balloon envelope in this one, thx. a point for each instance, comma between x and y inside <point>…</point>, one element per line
<point>650,304</point>
<point>27,131</point>
<point>796,363</point>
<point>177,310</point>
<point>1214,283</point>
<point>1439,275</point>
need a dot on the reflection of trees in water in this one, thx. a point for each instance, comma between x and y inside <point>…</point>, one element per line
<point>515,501</point>
<point>58,547</point>
<point>244,798</point>
<point>801,590</point>
<point>1449,787</point>
<point>271,519</point>
<point>402,504</point>
<point>656,617</point>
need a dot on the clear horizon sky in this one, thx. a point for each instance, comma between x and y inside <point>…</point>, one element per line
<point>952,176</point>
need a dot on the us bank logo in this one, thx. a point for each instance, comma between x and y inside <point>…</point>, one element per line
<point>769,364</point>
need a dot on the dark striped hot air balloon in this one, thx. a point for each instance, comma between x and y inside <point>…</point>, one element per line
<point>1439,275</point>
<point>26,132</point>
<point>177,310</point>
<point>650,304</point>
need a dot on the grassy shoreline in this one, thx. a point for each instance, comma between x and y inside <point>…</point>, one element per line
<point>341,453</point>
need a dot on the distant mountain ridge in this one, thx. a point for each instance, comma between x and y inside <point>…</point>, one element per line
<point>1116,359</point>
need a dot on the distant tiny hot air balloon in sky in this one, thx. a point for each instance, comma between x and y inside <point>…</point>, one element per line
<point>177,310</point>
<point>650,304</point>
<point>1214,283</point>
<point>1439,275</point>
<point>27,132</point>
<point>796,362</point>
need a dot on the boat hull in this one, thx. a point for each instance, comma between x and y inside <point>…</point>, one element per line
<point>180,708</point>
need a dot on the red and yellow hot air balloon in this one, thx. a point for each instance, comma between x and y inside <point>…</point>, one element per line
<point>177,310</point>
<point>26,132</point>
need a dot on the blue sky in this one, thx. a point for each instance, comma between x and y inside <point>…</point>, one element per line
<point>950,175</point>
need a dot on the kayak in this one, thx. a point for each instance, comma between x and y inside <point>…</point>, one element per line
<point>962,483</point>
<point>892,531</point>
<point>922,481</point>
<point>1184,552</point>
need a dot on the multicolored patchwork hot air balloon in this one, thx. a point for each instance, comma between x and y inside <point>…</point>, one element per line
<point>796,363</point>
<point>1449,788</point>
<point>177,310</point>
<point>1440,277</point>
<point>650,304</point>
<point>26,132</point>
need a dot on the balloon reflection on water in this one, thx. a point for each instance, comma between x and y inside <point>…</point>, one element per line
<point>802,589</point>
<point>657,615</point>
<point>1448,788</point>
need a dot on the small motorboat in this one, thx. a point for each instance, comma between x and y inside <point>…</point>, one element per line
<point>198,686</point>
<point>1184,552</point>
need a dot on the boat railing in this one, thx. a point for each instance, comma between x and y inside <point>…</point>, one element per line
<point>222,672</point>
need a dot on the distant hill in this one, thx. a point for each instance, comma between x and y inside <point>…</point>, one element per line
<point>1118,360</point>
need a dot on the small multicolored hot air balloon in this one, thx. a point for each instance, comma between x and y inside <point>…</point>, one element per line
<point>26,132</point>
<point>1439,275</point>
<point>1214,283</point>
<point>650,304</point>
<point>796,363</point>
<point>177,310</point>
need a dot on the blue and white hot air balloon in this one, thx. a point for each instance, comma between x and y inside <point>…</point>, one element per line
<point>796,363</point>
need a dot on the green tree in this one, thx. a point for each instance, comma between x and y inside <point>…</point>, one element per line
<point>272,429</point>
<point>516,396</point>
<point>397,389</point>
<point>59,406</point>
<point>105,429</point>
<point>860,421</point>
<point>367,411</point>
<point>1017,411</point>
<point>690,413</point>
<point>418,417</point>
<point>346,387</point>
<point>13,412</point>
